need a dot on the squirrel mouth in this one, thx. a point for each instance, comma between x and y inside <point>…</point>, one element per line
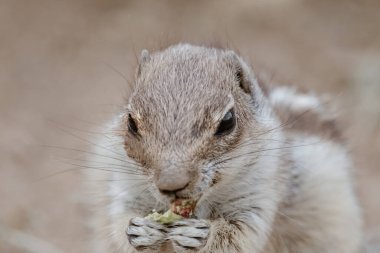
<point>180,209</point>
<point>183,207</point>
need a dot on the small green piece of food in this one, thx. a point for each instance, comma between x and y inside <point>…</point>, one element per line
<point>167,218</point>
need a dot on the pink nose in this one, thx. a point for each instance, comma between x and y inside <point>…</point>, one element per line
<point>169,183</point>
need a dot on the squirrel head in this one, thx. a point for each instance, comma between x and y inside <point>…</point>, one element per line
<point>193,114</point>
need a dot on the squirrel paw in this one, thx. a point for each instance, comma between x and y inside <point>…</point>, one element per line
<point>145,235</point>
<point>189,235</point>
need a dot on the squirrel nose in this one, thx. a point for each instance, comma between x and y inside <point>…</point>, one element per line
<point>170,185</point>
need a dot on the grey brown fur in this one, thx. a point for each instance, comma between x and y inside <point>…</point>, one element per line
<point>267,187</point>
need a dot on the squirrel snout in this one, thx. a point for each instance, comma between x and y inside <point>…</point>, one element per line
<point>169,184</point>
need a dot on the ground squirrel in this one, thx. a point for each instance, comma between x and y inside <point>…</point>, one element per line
<point>268,171</point>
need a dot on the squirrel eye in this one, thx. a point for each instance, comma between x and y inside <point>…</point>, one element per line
<point>227,124</point>
<point>132,126</point>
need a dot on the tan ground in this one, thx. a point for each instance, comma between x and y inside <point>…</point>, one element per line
<point>59,75</point>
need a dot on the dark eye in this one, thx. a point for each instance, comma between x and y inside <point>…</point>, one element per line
<point>227,124</point>
<point>132,126</point>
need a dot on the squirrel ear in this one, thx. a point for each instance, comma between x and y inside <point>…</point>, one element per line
<point>241,71</point>
<point>243,80</point>
<point>144,57</point>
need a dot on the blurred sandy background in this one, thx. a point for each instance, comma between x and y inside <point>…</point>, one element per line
<point>61,74</point>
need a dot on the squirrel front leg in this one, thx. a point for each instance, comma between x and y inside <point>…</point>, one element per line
<point>232,236</point>
<point>145,235</point>
<point>218,236</point>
